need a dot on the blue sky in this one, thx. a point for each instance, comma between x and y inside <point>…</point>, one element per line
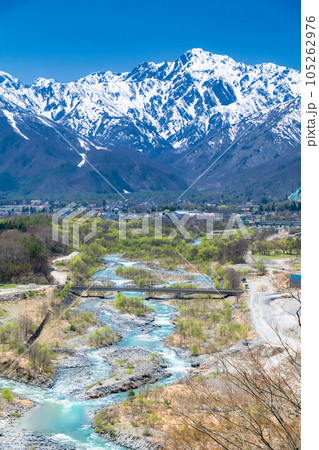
<point>68,39</point>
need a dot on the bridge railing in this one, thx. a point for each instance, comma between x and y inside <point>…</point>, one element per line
<point>133,288</point>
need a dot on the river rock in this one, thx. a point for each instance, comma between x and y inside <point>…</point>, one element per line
<point>132,367</point>
<point>132,442</point>
<point>11,437</point>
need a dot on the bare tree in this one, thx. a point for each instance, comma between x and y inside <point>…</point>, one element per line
<point>25,323</point>
<point>250,404</point>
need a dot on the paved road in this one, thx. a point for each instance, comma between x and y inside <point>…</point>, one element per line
<point>249,260</point>
<point>273,314</point>
<point>261,311</point>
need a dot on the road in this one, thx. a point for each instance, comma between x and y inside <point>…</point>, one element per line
<point>249,260</point>
<point>20,288</point>
<point>273,314</point>
<point>61,276</point>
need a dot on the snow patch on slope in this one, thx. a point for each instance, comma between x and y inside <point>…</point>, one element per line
<point>10,116</point>
<point>83,160</point>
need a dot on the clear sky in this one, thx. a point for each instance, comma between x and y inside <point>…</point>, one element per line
<point>68,39</point>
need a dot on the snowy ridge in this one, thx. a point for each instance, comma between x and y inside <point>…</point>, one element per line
<point>171,105</point>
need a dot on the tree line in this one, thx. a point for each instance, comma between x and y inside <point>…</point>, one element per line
<point>25,247</point>
<point>289,246</point>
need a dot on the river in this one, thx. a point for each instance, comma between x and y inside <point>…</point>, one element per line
<point>68,419</point>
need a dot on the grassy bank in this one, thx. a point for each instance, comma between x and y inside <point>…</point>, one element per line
<point>63,329</point>
<point>204,325</point>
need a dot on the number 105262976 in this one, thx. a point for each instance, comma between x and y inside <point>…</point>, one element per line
<point>310,50</point>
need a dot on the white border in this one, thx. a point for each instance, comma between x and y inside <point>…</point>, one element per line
<point>310,247</point>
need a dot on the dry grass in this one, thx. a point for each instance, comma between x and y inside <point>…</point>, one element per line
<point>262,288</point>
<point>64,329</point>
<point>248,406</point>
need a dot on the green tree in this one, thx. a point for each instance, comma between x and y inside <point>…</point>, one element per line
<point>261,268</point>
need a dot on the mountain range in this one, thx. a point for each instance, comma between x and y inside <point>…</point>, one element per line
<point>157,127</point>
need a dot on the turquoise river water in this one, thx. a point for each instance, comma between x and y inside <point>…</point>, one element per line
<point>68,419</point>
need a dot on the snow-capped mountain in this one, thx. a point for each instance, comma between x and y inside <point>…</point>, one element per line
<point>158,103</point>
<point>264,152</point>
<point>188,110</point>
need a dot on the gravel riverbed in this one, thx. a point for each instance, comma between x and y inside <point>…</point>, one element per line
<point>11,438</point>
<point>132,367</point>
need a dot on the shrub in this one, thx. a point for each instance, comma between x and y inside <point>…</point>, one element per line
<point>154,356</point>
<point>61,293</point>
<point>102,337</point>
<point>153,419</point>
<point>194,350</point>
<point>88,317</point>
<point>131,305</point>
<point>41,357</point>
<point>131,395</point>
<point>141,277</point>
<point>20,348</point>
<point>6,394</point>
<point>227,313</point>
<point>215,318</point>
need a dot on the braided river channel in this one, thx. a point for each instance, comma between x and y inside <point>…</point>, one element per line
<point>66,418</point>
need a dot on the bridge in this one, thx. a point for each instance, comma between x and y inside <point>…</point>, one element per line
<point>152,289</point>
<point>277,223</point>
